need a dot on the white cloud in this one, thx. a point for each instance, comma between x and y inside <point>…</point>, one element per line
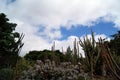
<point>65,43</point>
<point>96,36</point>
<point>52,14</point>
<point>31,40</point>
<point>70,42</point>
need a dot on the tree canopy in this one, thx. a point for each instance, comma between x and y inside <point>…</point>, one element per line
<point>45,54</point>
<point>10,42</point>
<point>115,43</point>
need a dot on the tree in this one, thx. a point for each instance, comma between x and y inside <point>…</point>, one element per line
<point>10,43</point>
<point>68,55</point>
<point>43,55</point>
<point>115,43</point>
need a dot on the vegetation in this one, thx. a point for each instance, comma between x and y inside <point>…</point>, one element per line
<point>10,46</point>
<point>43,55</point>
<point>68,55</point>
<point>101,61</point>
<point>91,53</point>
<point>48,70</point>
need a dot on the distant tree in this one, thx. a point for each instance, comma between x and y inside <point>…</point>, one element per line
<point>10,43</point>
<point>45,54</point>
<point>116,36</point>
<point>32,55</point>
<point>115,43</point>
<point>59,56</point>
<point>68,54</point>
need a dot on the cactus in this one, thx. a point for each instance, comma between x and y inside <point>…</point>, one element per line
<point>108,60</point>
<point>92,53</point>
<point>75,53</point>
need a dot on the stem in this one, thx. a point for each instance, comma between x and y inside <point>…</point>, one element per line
<point>91,61</point>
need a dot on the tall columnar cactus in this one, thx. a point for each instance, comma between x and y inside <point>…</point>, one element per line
<point>75,52</point>
<point>108,59</point>
<point>68,55</point>
<point>53,52</point>
<point>92,53</point>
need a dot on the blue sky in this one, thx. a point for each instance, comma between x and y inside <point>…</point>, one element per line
<point>46,21</point>
<point>106,28</point>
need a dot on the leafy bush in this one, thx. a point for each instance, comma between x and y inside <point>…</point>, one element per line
<point>50,71</point>
<point>21,65</point>
<point>6,74</point>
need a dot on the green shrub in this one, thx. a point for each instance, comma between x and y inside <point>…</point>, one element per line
<point>6,74</point>
<point>50,71</point>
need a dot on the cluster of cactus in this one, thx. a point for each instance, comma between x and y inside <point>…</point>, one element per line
<point>98,52</point>
<point>48,70</point>
<point>92,53</point>
<point>109,60</point>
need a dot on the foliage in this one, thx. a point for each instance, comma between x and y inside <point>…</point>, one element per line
<point>6,74</point>
<point>97,54</point>
<point>49,71</point>
<point>115,43</point>
<point>116,58</point>
<point>10,43</point>
<point>92,58</point>
<point>45,54</point>
<point>68,55</point>
<point>75,55</point>
<point>21,65</point>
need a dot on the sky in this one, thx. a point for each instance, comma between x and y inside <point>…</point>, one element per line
<point>61,21</point>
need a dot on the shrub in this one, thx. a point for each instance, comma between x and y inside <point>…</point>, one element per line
<point>6,74</point>
<point>50,71</point>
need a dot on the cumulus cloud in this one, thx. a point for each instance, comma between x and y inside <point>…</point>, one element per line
<point>41,20</point>
<point>54,13</point>
<point>65,43</point>
<point>70,41</point>
<point>96,36</point>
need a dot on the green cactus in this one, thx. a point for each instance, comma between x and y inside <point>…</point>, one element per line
<point>92,53</point>
<point>75,53</point>
<point>108,59</point>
